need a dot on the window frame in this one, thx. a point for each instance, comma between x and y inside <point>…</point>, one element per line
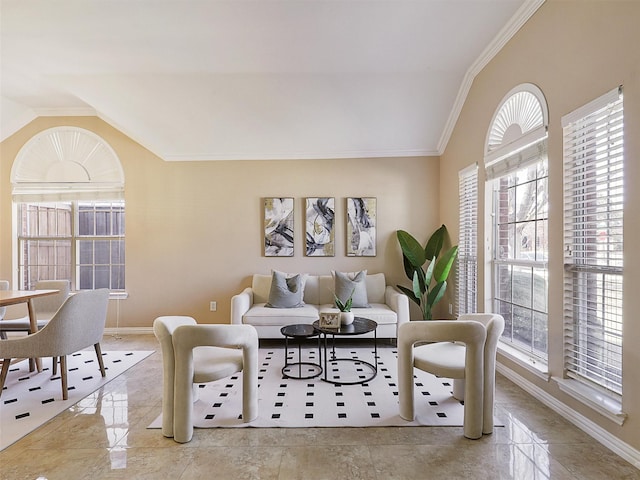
<point>593,162</point>
<point>467,260</point>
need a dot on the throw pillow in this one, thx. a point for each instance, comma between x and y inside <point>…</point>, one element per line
<point>345,283</point>
<point>285,292</point>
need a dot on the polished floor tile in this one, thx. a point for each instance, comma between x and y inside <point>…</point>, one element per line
<point>106,437</point>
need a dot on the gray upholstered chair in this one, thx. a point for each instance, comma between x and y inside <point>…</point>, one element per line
<point>464,350</point>
<point>79,323</point>
<point>44,307</point>
<point>193,354</point>
<point>4,285</point>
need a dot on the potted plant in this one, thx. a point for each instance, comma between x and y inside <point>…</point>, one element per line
<point>346,315</point>
<point>427,285</point>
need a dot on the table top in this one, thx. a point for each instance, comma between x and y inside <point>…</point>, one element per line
<point>359,326</point>
<point>13,297</point>
<point>299,331</point>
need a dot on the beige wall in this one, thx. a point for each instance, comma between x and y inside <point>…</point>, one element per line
<point>574,51</point>
<point>194,229</point>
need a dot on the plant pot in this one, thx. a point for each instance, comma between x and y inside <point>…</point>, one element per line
<point>346,318</point>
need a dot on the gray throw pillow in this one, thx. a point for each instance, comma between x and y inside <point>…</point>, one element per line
<point>345,283</point>
<point>286,292</point>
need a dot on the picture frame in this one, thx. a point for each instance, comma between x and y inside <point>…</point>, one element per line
<point>361,226</point>
<point>319,223</point>
<point>278,227</point>
<point>330,320</point>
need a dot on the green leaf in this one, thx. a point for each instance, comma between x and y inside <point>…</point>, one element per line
<point>409,293</point>
<point>436,293</point>
<point>411,248</point>
<point>429,274</point>
<point>408,268</point>
<point>418,286</point>
<point>443,266</point>
<point>434,245</point>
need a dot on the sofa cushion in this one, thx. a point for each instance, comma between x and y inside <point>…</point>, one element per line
<point>285,291</point>
<point>259,314</point>
<point>354,284</point>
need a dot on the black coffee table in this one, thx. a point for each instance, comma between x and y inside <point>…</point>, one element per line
<point>300,332</point>
<point>360,326</point>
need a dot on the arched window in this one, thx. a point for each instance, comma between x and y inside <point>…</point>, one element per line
<point>517,174</point>
<point>68,193</point>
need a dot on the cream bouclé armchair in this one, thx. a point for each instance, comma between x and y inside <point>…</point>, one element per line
<point>194,354</point>
<point>462,349</point>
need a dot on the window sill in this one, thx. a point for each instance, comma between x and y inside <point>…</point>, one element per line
<point>537,367</point>
<point>606,406</point>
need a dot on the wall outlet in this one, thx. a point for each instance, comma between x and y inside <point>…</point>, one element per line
<point>213,306</point>
<point>450,309</point>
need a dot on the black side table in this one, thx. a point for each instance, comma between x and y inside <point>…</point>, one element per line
<point>300,332</point>
<point>360,326</point>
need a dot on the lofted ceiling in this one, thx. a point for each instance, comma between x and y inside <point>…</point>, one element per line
<point>262,79</point>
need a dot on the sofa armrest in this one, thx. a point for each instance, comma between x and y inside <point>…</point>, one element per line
<point>240,304</point>
<point>398,302</point>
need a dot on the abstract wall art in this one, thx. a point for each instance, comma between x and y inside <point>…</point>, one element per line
<point>320,221</point>
<point>278,227</point>
<point>361,226</point>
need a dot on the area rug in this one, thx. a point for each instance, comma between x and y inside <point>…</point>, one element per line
<point>286,402</point>
<point>30,399</point>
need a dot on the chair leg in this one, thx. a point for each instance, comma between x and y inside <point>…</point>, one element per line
<point>54,365</point>
<point>63,376</point>
<point>100,362</point>
<point>3,373</point>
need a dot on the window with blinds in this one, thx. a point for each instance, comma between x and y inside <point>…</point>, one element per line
<point>467,271</point>
<point>593,248</point>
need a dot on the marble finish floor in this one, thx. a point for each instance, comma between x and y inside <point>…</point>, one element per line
<point>110,441</point>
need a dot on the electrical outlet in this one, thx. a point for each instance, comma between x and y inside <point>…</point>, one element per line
<point>213,306</point>
<point>450,309</point>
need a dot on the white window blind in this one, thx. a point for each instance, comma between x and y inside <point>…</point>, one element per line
<point>593,258</point>
<point>467,271</point>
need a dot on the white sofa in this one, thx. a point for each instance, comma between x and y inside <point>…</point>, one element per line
<point>388,306</point>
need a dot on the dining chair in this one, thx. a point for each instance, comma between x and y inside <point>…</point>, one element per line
<point>44,307</point>
<point>79,323</point>
<point>4,285</point>
<point>463,350</point>
<point>194,354</point>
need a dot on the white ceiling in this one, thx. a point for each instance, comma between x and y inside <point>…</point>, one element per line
<point>263,79</point>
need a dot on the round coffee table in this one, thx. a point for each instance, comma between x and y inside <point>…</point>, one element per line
<point>300,332</point>
<point>360,326</point>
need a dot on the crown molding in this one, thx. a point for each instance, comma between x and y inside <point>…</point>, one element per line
<point>524,13</point>
<point>66,112</point>
<point>351,154</point>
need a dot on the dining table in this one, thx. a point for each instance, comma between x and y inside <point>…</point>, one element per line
<point>16,297</point>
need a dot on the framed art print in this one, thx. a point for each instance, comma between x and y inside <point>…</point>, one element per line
<point>278,227</point>
<point>361,226</point>
<point>319,222</point>
<point>330,320</point>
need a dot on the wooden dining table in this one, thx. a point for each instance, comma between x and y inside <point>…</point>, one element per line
<point>15,297</point>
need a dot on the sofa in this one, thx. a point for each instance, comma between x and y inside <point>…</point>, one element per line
<point>386,305</point>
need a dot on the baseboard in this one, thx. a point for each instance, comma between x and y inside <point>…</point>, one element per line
<point>128,331</point>
<point>610,441</point>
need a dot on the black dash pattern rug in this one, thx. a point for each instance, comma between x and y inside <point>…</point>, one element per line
<point>29,399</point>
<point>286,402</point>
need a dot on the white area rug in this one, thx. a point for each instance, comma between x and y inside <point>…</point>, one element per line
<point>30,399</point>
<point>315,403</point>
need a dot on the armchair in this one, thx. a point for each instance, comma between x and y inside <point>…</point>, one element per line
<point>464,350</point>
<point>193,354</point>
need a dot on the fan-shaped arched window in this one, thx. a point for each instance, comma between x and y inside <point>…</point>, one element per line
<point>517,173</point>
<point>68,189</point>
